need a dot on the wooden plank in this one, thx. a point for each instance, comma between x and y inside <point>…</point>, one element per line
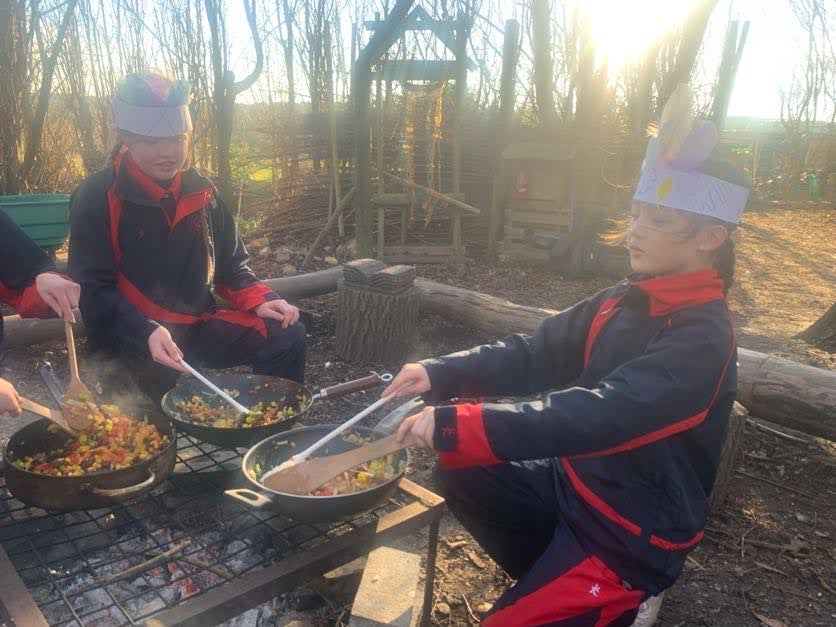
<point>415,70</point>
<point>18,606</point>
<point>538,152</point>
<point>419,249</point>
<point>549,205</point>
<point>405,200</point>
<point>524,218</point>
<point>236,597</point>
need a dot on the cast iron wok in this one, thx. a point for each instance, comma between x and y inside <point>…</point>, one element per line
<point>253,389</point>
<point>89,491</point>
<point>271,452</point>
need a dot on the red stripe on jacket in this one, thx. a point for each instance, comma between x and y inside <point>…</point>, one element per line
<point>677,427</point>
<point>580,590</point>
<point>27,302</point>
<point>602,316</point>
<point>472,448</point>
<point>244,299</point>
<point>153,311</point>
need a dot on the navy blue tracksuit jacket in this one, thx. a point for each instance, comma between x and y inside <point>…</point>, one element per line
<point>145,254</point>
<point>21,260</point>
<point>645,377</point>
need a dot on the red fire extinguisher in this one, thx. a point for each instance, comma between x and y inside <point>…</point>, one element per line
<point>521,185</point>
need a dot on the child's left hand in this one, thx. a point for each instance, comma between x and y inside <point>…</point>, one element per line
<point>419,429</point>
<point>280,310</point>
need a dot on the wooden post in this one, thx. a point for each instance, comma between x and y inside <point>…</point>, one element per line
<point>360,82</point>
<point>462,34</point>
<point>363,198</point>
<point>506,111</point>
<point>332,126</point>
<point>381,211</point>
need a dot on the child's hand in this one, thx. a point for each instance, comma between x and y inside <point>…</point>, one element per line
<point>418,430</point>
<point>59,293</point>
<point>411,380</point>
<point>280,310</point>
<point>9,399</point>
<point>164,351</point>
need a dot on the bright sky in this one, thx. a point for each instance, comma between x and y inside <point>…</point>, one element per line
<point>623,28</point>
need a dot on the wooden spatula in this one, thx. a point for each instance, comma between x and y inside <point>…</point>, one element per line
<point>307,476</point>
<point>76,390</point>
<point>50,414</point>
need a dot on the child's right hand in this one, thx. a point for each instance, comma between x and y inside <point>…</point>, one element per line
<point>9,399</point>
<point>411,380</point>
<point>164,351</point>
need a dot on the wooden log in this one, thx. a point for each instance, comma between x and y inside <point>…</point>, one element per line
<point>373,326</point>
<point>30,331</point>
<point>728,458</point>
<point>788,393</point>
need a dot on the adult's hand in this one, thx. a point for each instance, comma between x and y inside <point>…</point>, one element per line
<point>280,310</point>
<point>9,399</point>
<point>418,430</point>
<point>164,351</point>
<point>411,380</point>
<point>59,293</point>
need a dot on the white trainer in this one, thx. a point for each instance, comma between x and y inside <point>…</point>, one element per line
<point>649,611</point>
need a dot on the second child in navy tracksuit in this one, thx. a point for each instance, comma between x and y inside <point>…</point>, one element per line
<point>150,242</point>
<point>592,496</point>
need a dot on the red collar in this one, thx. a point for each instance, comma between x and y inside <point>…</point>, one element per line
<point>153,189</point>
<point>668,294</point>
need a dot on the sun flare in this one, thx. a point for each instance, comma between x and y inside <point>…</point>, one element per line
<point>622,31</point>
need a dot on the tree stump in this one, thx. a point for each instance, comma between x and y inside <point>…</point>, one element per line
<point>728,458</point>
<point>374,325</point>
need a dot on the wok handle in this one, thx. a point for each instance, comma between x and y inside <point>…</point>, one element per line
<point>130,490</point>
<point>350,387</point>
<point>248,497</point>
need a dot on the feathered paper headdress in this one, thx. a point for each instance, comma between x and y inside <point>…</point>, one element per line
<point>670,173</point>
<point>152,105</point>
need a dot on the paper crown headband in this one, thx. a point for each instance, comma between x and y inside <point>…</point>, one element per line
<point>152,105</point>
<point>670,173</point>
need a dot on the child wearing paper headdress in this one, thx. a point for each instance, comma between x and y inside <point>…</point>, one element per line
<point>150,242</point>
<point>592,495</point>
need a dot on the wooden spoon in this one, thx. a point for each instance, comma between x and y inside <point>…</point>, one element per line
<point>76,390</point>
<point>56,417</point>
<point>307,476</point>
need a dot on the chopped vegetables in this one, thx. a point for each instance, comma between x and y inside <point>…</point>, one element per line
<point>113,441</point>
<point>226,417</point>
<point>363,477</point>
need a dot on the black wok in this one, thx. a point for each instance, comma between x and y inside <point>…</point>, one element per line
<point>253,389</point>
<point>89,491</point>
<point>271,452</point>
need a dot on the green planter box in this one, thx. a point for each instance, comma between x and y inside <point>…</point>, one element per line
<point>43,217</point>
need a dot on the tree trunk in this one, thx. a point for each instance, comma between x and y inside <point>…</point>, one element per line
<point>543,63</point>
<point>689,45</point>
<point>36,129</point>
<point>822,332</point>
<point>373,326</point>
<point>728,458</point>
<point>785,392</point>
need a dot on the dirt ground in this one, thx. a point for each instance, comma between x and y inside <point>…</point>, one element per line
<point>768,556</point>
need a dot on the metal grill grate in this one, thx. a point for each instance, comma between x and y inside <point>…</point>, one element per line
<point>77,565</point>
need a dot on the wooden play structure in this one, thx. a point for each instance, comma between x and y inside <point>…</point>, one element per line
<point>418,79</point>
